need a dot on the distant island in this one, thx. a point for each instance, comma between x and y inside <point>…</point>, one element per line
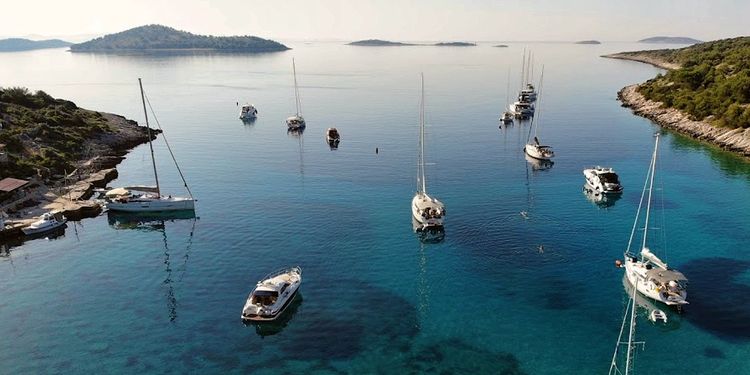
<point>158,37</point>
<point>588,42</point>
<point>377,43</point>
<point>704,94</point>
<point>20,44</point>
<point>455,44</point>
<point>670,39</point>
<point>501,46</point>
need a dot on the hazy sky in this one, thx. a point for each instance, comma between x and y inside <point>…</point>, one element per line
<point>473,20</point>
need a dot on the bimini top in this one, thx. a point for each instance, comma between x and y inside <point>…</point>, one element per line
<point>118,192</point>
<point>665,276</point>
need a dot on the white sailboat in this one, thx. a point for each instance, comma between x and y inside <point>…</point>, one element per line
<point>651,275</point>
<point>428,211</point>
<point>148,198</point>
<point>507,116</point>
<point>297,121</point>
<point>535,149</point>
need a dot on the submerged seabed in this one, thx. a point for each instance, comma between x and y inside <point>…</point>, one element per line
<point>502,292</point>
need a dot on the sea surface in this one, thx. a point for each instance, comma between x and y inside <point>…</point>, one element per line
<point>522,282</point>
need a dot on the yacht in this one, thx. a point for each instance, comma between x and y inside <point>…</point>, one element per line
<point>332,136</point>
<point>296,121</point>
<point>539,151</point>
<point>148,198</point>
<point>651,275</point>
<point>521,109</point>
<point>602,180</point>
<point>427,210</point>
<point>272,295</point>
<point>46,223</point>
<point>248,112</point>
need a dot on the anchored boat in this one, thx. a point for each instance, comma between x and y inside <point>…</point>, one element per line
<point>602,180</point>
<point>48,222</point>
<point>248,112</point>
<point>296,122</point>
<point>272,295</point>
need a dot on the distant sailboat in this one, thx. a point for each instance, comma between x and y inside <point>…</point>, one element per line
<point>507,116</point>
<point>535,149</point>
<point>428,211</point>
<point>148,198</point>
<point>297,121</point>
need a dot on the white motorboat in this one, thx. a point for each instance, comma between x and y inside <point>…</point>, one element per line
<point>602,180</point>
<point>332,136</point>
<point>248,112</point>
<point>427,210</point>
<point>296,121</point>
<point>272,295</point>
<point>650,274</point>
<point>521,109</point>
<point>46,223</point>
<point>149,198</point>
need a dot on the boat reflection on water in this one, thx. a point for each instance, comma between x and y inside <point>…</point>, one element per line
<point>146,221</point>
<point>295,132</point>
<point>248,121</point>
<point>269,328</point>
<point>429,234</point>
<point>56,233</point>
<point>538,164</point>
<point>599,199</point>
<point>647,306</point>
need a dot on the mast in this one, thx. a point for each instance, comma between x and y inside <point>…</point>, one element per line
<point>650,190</point>
<point>296,90</point>
<point>531,67</point>
<point>150,144</point>
<point>629,354</point>
<point>523,67</point>
<point>421,183</point>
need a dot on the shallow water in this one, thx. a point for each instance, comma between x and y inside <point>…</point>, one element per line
<point>164,296</point>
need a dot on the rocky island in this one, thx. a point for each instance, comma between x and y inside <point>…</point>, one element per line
<point>163,38</point>
<point>670,40</point>
<point>20,44</point>
<point>61,150</point>
<point>705,93</point>
<point>455,44</point>
<point>588,42</point>
<point>377,43</point>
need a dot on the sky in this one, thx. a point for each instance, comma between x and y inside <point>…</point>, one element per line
<point>416,20</point>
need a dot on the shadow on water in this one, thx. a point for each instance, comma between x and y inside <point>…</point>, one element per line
<point>427,235</point>
<point>264,329</point>
<point>156,222</point>
<point>454,356</point>
<point>646,305</point>
<point>718,303</point>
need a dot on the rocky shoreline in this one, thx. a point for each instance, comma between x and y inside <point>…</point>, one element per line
<point>735,140</point>
<point>644,58</point>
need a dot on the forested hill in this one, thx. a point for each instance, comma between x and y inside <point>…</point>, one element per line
<point>712,82</point>
<point>158,37</point>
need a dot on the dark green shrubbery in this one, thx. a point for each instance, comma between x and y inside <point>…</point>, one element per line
<point>714,80</point>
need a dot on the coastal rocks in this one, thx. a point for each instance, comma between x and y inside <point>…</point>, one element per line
<point>736,140</point>
<point>644,58</point>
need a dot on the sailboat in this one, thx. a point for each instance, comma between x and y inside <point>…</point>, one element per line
<point>297,121</point>
<point>651,275</point>
<point>428,211</point>
<point>148,198</point>
<point>507,116</point>
<point>535,149</point>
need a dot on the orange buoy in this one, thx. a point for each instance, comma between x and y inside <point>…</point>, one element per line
<point>618,263</point>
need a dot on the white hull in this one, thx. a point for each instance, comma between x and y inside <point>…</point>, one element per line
<point>538,153</point>
<point>295,122</point>
<point>595,183</point>
<point>286,283</point>
<point>153,204</point>
<point>637,271</point>
<point>43,226</point>
<point>421,205</point>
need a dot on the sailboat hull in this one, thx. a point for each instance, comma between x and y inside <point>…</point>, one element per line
<point>153,205</point>
<point>422,205</point>
<point>638,271</point>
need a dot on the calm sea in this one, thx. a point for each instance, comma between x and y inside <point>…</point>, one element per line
<point>503,292</point>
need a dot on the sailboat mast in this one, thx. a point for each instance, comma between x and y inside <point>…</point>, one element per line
<point>650,191</point>
<point>523,67</point>
<point>423,186</point>
<point>507,89</point>
<point>539,101</point>
<point>296,90</point>
<point>531,68</point>
<point>150,144</point>
<point>632,329</point>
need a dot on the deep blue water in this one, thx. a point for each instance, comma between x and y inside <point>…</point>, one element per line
<point>165,296</point>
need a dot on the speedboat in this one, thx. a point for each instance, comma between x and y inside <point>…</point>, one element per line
<point>145,199</point>
<point>272,295</point>
<point>46,223</point>
<point>539,151</point>
<point>332,136</point>
<point>602,180</point>
<point>248,112</point>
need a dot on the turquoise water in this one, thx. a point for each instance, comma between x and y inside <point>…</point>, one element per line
<point>164,295</point>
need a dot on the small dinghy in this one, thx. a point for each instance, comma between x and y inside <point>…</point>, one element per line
<point>272,295</point>
<point>657,315</point>
<point>46,223</point>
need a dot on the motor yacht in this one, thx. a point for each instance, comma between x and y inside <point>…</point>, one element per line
<point>272,295</point>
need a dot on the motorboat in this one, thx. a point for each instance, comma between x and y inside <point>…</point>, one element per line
<point>296,121</point>
<point>506,117</point>
<point>148,198</point>
<point>427,210</point>
<point>332,136</point>
<point>528,93</point>
<point>47,222</point>
<point>272,295</point>
<point>539,151</point>
<point>650,274</point>
<point>248,112</point>
<point>521,109</point>
<point>602,180</point>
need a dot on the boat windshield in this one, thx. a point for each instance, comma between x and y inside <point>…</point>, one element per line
<point>609,178</point>
<point>265,297</point>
